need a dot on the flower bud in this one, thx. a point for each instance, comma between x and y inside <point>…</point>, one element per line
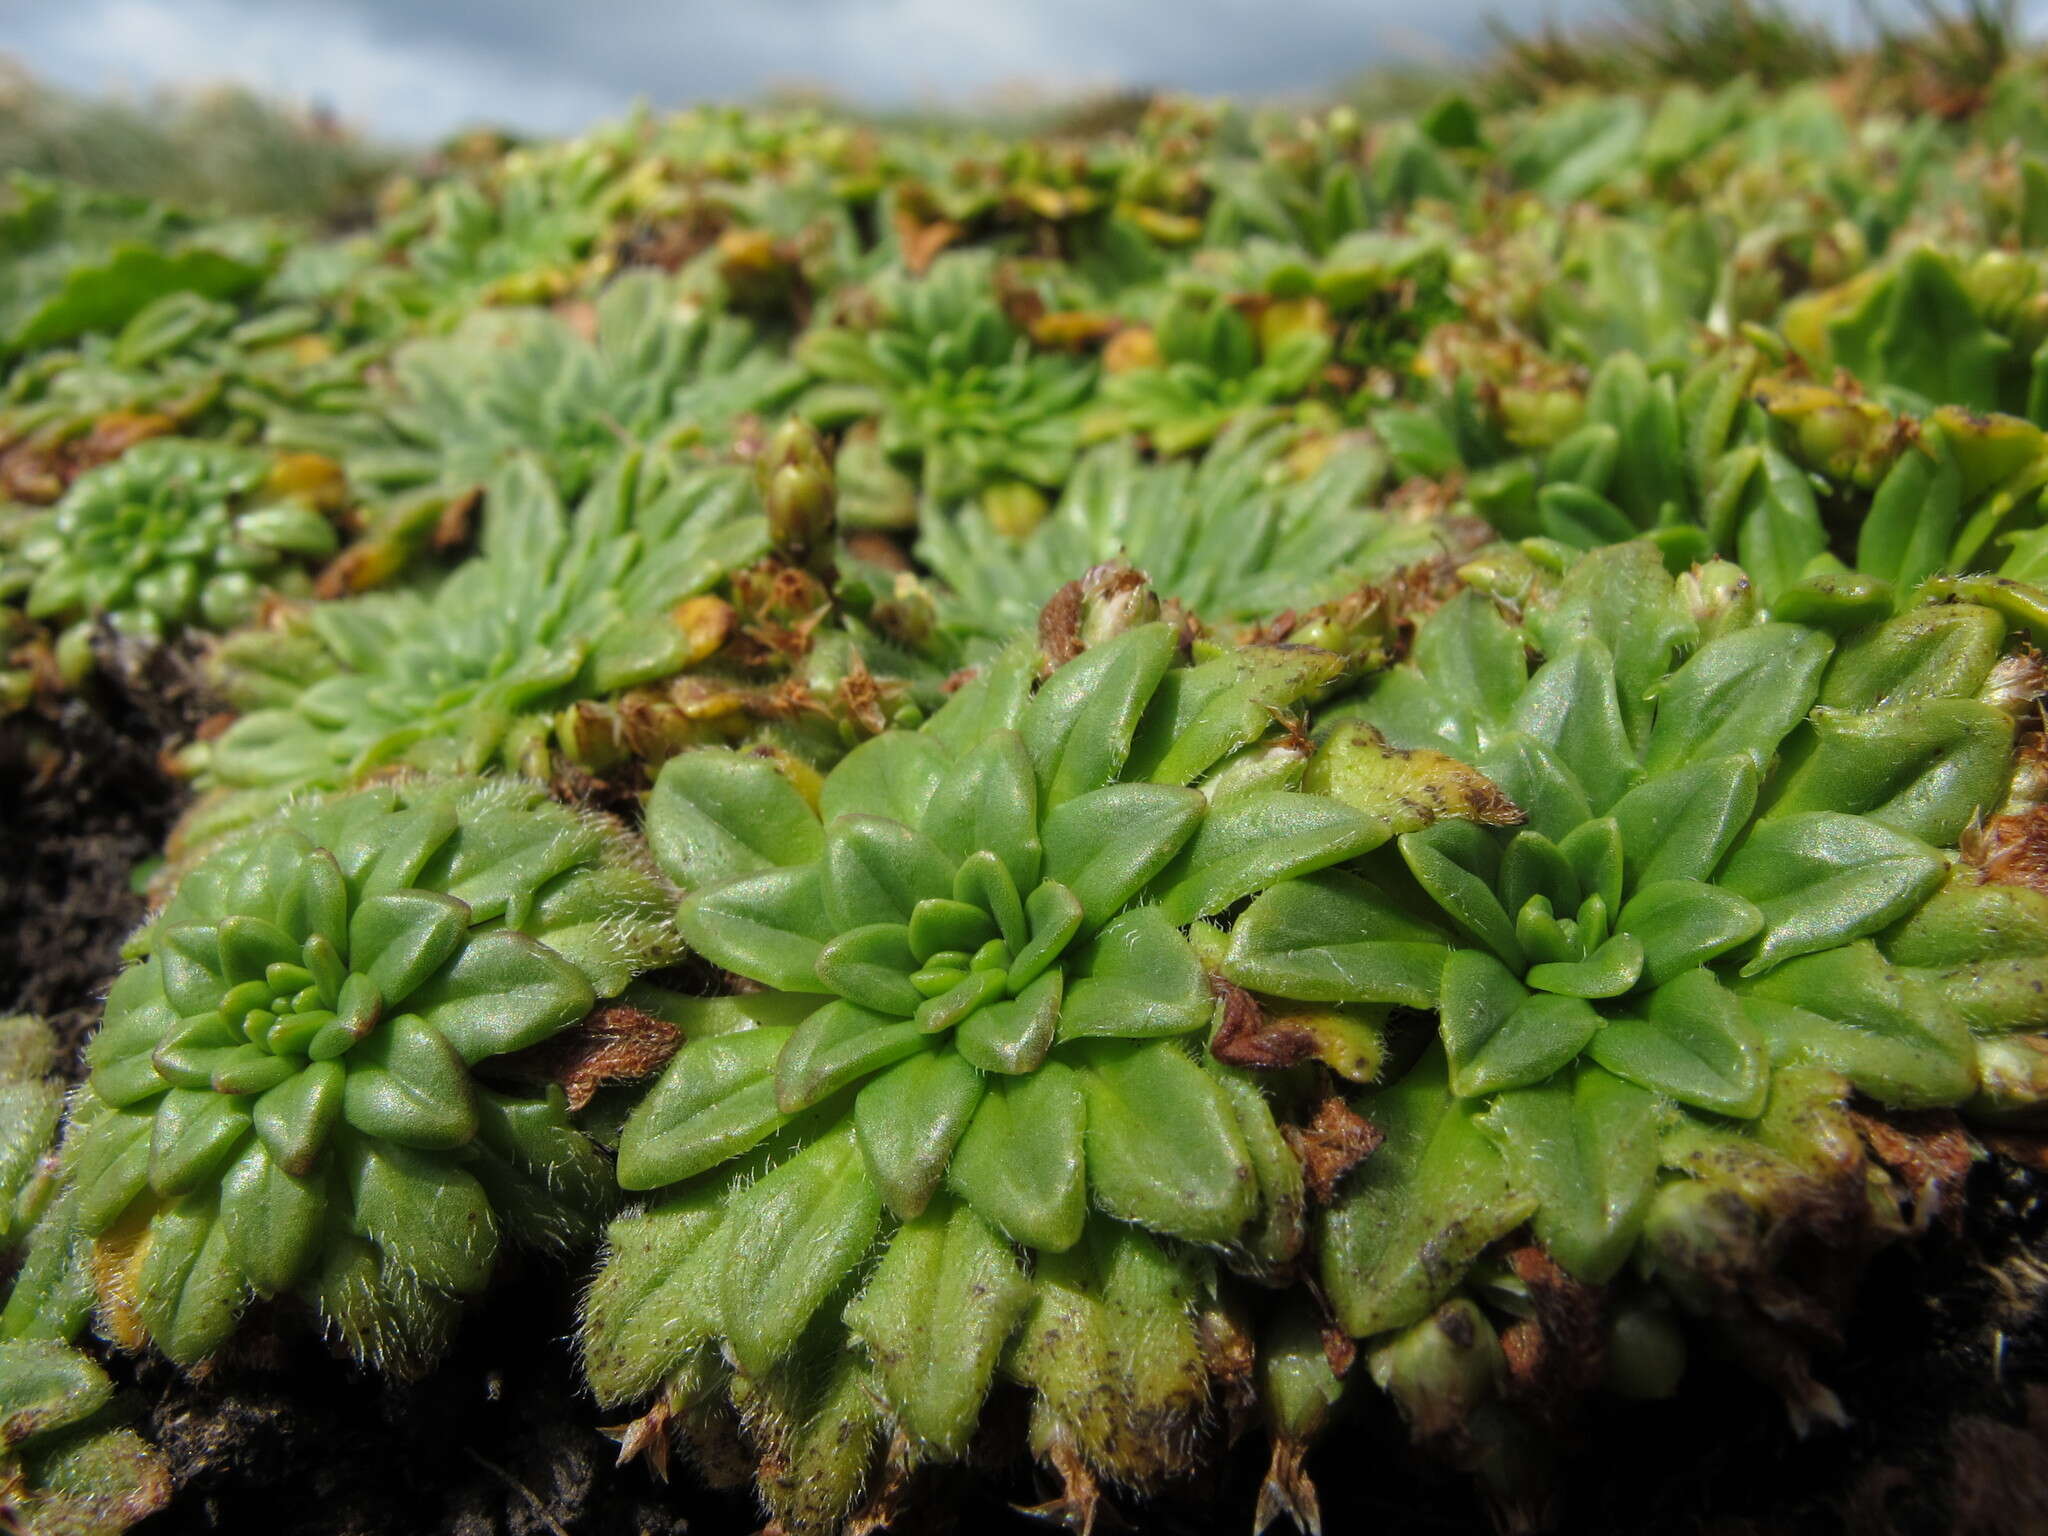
<point>800,499</point>
<point>1441,1369</point>
<point>706,623</point>
<point>2012,1079</point>
<point>1645,1349</point>
<point>1718,596</point>
<point>1131,351</point>
<point>1014,508</point>
<point>1999,283</point>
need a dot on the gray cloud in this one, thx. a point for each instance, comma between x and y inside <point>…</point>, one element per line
<point>419,68</point>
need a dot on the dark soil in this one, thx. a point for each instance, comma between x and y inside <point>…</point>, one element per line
<point>1944,1372</point>
<point>84,800</point>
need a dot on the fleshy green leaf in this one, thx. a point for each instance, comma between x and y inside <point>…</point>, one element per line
<point>295,1118</point>
<point>790,1238</point>
<point>1609,971</point>
<point>1571,707</point>
<point>934,1317</point>
<point>1055,916</point>
<point>1105,844</point>
<point>1693,1043</point>
<point>1012,1035</point>
<point>408,1084</point>
<point>1457,864</point>
<point>1678,826</point>
<point>715,815</point>
<point>249,946</point>
<point>909,1118</point>
<point>1334,938</point>
<point>1416,1213</point>
<point>1940,651</point>
<point>399,940</point>
<point>188,1291</point>
<point>1823,879</point>
<point>1892,1035</point>
<point>839,1044</point>
<point>769,927</point>
<point>1926,768</point>
<point>1201,714</point>
<point>877,871</point>
<point>988,802</point>
<point>273,1218</point>
<point>1585,1146</point>
<point>503,992</point>
<point>1137,977</point>
<point>196,1133</point>
<point>1258,839</point>
<point>431,1218</point>
<point>1497,1034</point>
<point>872,965</point>
<point>714,1100</point>
<point>1078,728</point>
<point>1740,692</point>
<point>1685,923</point>
<point>1020,1165</point>
<point>892,776</point>
<point>1164,1149</point>
<point>653,1304</point>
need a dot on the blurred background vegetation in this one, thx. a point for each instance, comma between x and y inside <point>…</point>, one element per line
<point>225,148</point>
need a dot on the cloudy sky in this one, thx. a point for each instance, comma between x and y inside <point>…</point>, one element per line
<point>416,69</point>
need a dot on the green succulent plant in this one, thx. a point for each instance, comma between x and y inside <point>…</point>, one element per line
<point>1732,892</point>
<point>31,1102</point>
<point>46,1292</point>
<point>79,261</point>
<point>526,231</point>
<point>471,673</point>
<point>1239,534</point>
<point>1211,370</point>
<point>1942,495</point>
<point>1928,329</point>
<point>1800,483</point>
<point>68,1463</point>
<point>290,1093</point>
<point>524,380</point>
<point>174,534</point>
<point>982,1039</point>
<point>185,365</point>
<point>69,1466</point>
<point>962,400</point>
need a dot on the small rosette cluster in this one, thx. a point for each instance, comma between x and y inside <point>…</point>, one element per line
<point>561,604</point>
<point>1733,898</point>
<point>1204,368</point>
<point>985,1033</point>
<point>288,1095</point>
<point>957,395</point>
<point>175,533</point>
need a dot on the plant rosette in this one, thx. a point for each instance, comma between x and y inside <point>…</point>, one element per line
<point>173,534</point>
<point>959,394</point>
<point>288,1095</point>
<point>1734,900</point>
<point>1208,369</point>
<point>561,604</point>
<point>970,1127</point>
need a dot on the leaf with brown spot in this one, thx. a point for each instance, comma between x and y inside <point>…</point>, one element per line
<point>1243,1039</point>
<point>1409,790</point>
